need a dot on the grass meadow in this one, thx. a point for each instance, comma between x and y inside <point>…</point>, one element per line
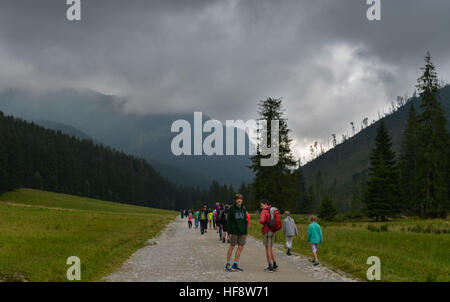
<point>39,230</point>
<point>409,249</point>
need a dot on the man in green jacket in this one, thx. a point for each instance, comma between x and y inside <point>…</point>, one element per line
<point>237,232</point>
<point>314,237</point>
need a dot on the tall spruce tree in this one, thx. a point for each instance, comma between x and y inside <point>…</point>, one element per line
<point>408,165</point>
<point>327,211</point>
<point>382,185</point>
<point>303,201</point>
<point>433,145</point>
<point>274,182</point>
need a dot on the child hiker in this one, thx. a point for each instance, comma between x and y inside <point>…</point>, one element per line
<point>190,220</point>
<point>289,230</point>
<point>210,218</point>
<point>314,237</point>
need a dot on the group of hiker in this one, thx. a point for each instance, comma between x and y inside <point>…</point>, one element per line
<point>232,223</point>
<point>202,217</point>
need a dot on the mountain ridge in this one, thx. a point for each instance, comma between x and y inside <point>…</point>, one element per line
<point>343,167</point>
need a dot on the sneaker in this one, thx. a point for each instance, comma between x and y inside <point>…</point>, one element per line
<point>316,262</point>
<point>275,267</point>
<point>237,268</point>
<point>223,240</point>
<point>228,267</point>
<point>269,270</point>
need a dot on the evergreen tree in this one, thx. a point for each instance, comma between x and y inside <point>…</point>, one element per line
<point>382,186</point>
<point>38,182</point>
<point>319,187</point>
<point>274,182</point>
<point>327,210</point>
<point>246,191</point>
<point>433,145</point>
<point>408,165</point>
<point>3,162</point>
<point>303,200</point>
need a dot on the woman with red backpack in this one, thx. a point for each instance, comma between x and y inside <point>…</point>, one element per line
<point>271,221</point>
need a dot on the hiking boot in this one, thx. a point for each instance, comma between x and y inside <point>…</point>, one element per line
<point>228,267</point>
<point>269,270</point>
<point>275,267</point>
<point>316,262</point>
<point>237,268</point>
<point>288,252</point>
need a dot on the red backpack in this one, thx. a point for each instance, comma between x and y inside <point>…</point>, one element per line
<point>275,219</point>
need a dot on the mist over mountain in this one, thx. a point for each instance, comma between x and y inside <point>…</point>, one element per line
<point>104,119</point>
<point>72,131</point>
<point>344,167</point>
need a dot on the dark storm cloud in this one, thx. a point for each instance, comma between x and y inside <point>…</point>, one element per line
<point>325,59</point>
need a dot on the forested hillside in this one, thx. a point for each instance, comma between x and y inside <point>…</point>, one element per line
<point>341,172</point>
<point>35,157</point>
<point>147,136</point>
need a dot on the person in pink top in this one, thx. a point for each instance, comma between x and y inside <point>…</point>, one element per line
<point>190,220</point>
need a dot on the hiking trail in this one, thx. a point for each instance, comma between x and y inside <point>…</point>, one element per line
<point>184,255</point>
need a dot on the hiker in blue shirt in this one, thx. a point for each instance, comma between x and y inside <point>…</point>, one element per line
<point>314,237</point>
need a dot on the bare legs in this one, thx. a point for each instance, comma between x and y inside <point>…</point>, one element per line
<point>237,255</point>
<point>270,255</point>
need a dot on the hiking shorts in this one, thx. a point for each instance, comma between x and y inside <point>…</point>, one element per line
<point>314,247</point>
<point>238,240</point>
<point>269,238</point>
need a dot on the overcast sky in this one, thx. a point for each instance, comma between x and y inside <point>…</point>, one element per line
<point>323,57</point>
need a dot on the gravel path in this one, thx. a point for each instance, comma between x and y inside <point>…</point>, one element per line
<point>182,254</point>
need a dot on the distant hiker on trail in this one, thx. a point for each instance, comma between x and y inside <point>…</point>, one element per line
<point>314,237</point>
<point>222,222</point>
<point>196,216</point>
<point>216,217</point>
<point>237,232</point>
<point>190,220</point>
<point>182,214</point>
<point>289,230</point>
<point>218,221</point>
<point>210,218</point>
<point>203,220</point>
<point>271,221</point>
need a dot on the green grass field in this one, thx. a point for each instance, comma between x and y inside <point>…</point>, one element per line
<point>40,230</point>
<point>409,250</point>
